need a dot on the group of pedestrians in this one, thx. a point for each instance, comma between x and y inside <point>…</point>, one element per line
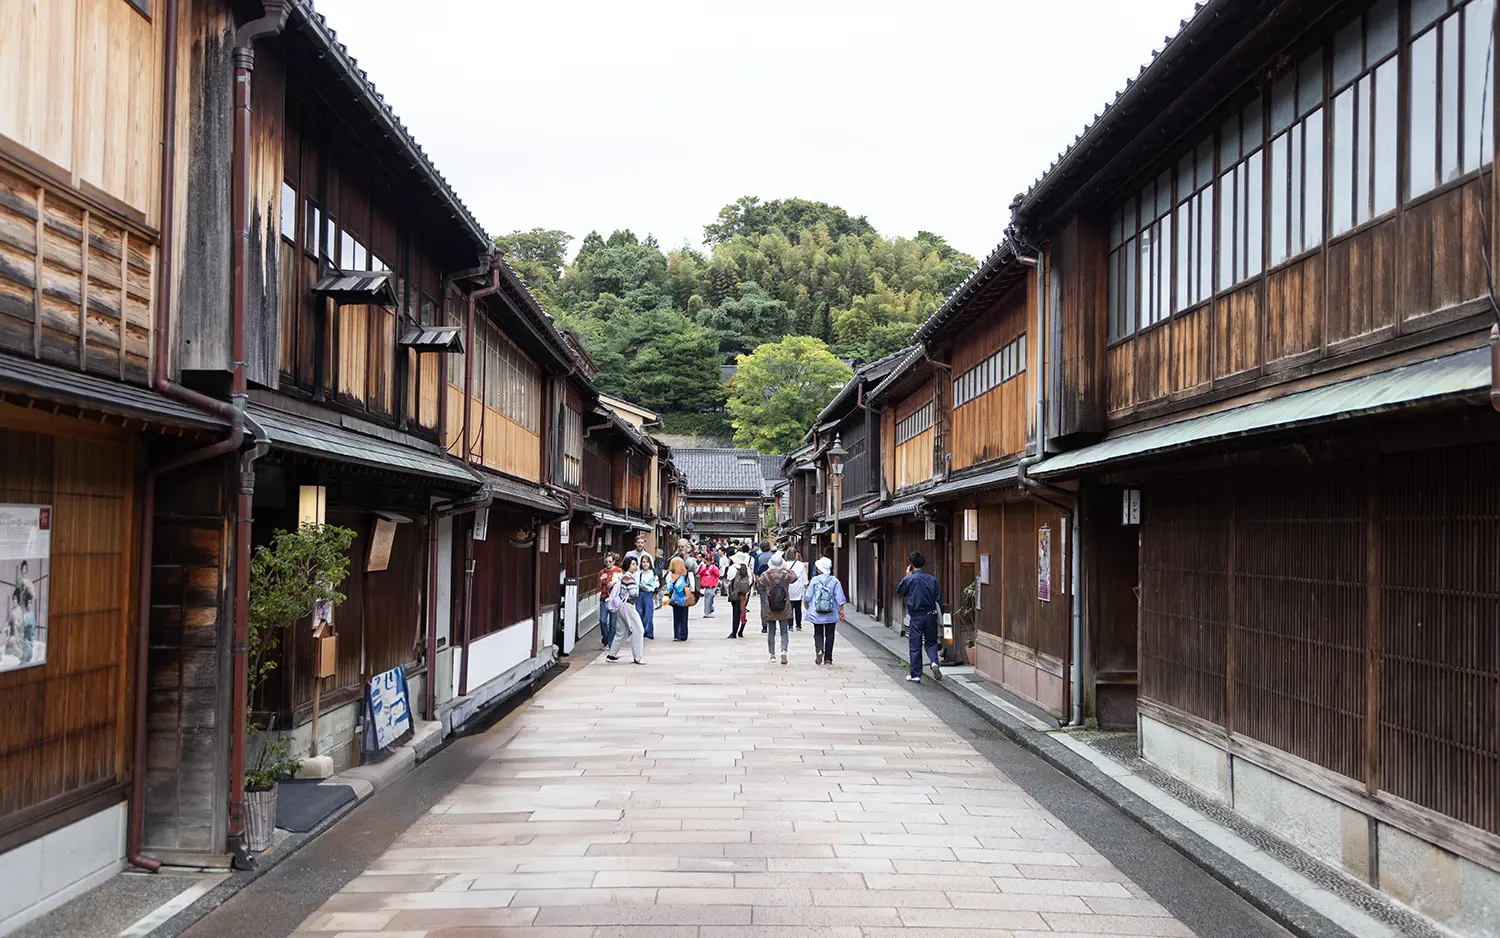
<point>631,590</point>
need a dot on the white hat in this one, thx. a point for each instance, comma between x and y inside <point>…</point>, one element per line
<point>777,561</point>
<point>825,565</point>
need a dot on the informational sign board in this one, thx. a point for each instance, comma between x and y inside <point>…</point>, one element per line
<point>1130,507</point>
<point>1044,563</point>
<point>929,531</point>
<point>564,528</point>
<point>387,709</point>
<point>381,541</point>
<point>481,524</point>
<point>25,572</point>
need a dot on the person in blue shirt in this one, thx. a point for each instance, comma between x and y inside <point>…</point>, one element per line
<point>924,604</point>
<point>825,607</point>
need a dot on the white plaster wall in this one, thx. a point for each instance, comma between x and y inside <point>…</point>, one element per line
<point>41,875</point>
<point>1200,764</point>
<point>494,654</point>
<point>444,585</point>
<point>1308,820</point>
<point>336,736</point>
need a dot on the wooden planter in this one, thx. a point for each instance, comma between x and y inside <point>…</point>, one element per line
<point>260,818</point>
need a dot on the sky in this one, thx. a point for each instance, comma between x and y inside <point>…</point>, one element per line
<point>654,114</point>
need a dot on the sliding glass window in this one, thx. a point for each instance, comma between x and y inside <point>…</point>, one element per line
<point>1451,122</point>
<point>1241,196</point>
<point>1365,77</point>
<point>1295,222</point>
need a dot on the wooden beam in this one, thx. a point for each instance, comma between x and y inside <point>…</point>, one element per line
<point>124,292</point>
<point>36,305</point>
<point>83,294</point>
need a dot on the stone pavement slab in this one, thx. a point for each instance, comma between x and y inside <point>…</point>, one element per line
<point>713,792</point>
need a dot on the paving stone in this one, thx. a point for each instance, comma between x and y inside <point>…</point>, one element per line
<point>710,795</point>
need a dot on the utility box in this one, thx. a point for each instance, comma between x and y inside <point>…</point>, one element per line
<point>328,650</point>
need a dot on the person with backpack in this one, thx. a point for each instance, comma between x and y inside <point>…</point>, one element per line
<point>621,603</point>
<point>708,579</point>
<point>775,587</point>
<point>798,566</point>
<point>924,604</point>
<point>680,596</point>
<point>825,607</point>
<point>740,584</point>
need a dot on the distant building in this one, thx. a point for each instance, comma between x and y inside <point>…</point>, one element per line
<point>727,490</point>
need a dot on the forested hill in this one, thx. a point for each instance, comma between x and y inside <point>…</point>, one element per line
<point>660,323</point>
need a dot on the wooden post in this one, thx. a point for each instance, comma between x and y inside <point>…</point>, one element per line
<point>124,291</point>
<point>83,294</point>
<point>36,302</point>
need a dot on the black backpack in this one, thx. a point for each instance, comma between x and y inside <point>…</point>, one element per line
<point>776,594</point>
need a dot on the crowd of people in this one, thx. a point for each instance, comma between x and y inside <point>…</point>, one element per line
<point>632,587</point>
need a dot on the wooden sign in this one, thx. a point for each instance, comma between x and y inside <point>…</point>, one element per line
<point>381,540</point>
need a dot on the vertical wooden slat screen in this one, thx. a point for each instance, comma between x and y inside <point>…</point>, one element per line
<point>64,736</point>
<point>1305,659</point>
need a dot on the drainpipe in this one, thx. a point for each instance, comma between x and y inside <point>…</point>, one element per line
<point>1060,500</point>
<point>270,24</point>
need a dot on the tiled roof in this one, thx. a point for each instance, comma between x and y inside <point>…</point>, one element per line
<point>770,466</point>
<point>721,470</point>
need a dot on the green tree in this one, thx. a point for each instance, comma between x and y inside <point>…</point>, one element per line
<point>881,321</point>
<point>538,257</point>
<point>748,215</point>
<point>662,360</point>
<point>747,320</point>
<point>779,390</point>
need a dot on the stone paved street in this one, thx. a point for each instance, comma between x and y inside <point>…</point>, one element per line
<point>711,793</point>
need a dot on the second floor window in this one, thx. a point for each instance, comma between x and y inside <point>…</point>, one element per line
<point>989,374</point>
<point>288,212</point>
<point>1241,196</point>
<point>572,446</point>
<point>1296,197</point>
<point>1451,122</point>
<point>914,424</point>
<point>1363,159</point>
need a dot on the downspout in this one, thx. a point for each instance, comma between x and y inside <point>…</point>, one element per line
<point>269,24</point>
<point>472,300</point>
<point>1060,500</point>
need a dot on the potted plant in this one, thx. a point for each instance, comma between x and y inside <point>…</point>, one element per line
<point>275,765</point>
<point>288,578</point>
<point>971,652</point>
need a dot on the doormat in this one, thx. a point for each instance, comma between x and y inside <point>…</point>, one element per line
<point>301,805</point>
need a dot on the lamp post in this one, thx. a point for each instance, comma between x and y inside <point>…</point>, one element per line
<point>836,455</point>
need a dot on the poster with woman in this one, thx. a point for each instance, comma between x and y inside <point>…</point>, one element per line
<point>25,560</point>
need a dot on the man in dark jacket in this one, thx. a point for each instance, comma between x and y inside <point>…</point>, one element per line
<point>924,604</point>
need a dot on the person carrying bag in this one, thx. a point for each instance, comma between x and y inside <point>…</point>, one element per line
<point>681,596</point>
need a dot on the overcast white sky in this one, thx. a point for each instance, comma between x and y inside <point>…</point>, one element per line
<point>653,114</point>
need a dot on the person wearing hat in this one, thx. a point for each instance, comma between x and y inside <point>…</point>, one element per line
<point>825,607</point>
<point>775,587</point>
<point>740,582</point>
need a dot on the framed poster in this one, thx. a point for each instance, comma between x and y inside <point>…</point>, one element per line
<point>25,570</point>
<point>1044,563</point>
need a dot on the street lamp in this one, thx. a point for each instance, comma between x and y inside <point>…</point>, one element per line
<point>836,455</point>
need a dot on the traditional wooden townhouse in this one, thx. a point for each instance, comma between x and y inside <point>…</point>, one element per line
<point>1268,401</point>
<point>912,403</point>
<point>850,422</point>
<point>725,493</point>
<point>801,500</point>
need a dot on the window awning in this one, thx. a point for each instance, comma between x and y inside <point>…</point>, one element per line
<point>433,339</point>
<point>1423,382</point>
<point>517,492</point>
<point>896,509</point>
<point>370,286</point>
<point>621,521</point>
<point>822,528</point>
<point>320,440</point>
<point>978,482</point>
<point>34,380</point>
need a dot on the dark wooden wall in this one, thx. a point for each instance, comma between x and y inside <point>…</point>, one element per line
<point>997,423</point>
<point>1078,298</point>
<point>187,764</point>
<point>1009,607</point>
<point>504,584</point>
<point>1343,612</point>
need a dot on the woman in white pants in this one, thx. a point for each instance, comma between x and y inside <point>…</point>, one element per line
<point>621,602</point>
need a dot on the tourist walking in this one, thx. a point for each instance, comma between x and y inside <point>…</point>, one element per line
<point>607,575</point>
<point>763,558</point>
<point>680,596</point>
<point>924,603</point>
<point>740,583</point>
<point>825,607</point>
<point>621,602</point>
<point>708,579</point>
<point>798,566</point>
<point>647,582</point>
<point>775,587</point>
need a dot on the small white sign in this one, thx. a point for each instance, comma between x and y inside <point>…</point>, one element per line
<point>481,524</point>
<point>1130,507</point>
<point>563,529</point>
<point>929,531</point>
<point>984,569</point>
<point>971,524</point>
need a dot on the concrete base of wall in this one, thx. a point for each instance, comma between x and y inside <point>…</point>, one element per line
<point>1453,891</point>
<point>1020,676</point>
<point>44,873</point>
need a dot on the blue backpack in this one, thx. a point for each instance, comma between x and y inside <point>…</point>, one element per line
<point>823,596</point>
<point>679,591</point>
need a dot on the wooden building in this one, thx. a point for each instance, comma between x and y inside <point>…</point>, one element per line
<point>726,493</point>
<point>1268,393</point>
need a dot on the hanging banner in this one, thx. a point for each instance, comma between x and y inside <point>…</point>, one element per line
<point>25,568</point>
<point>387,709</point>
<point>1044,564</point>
